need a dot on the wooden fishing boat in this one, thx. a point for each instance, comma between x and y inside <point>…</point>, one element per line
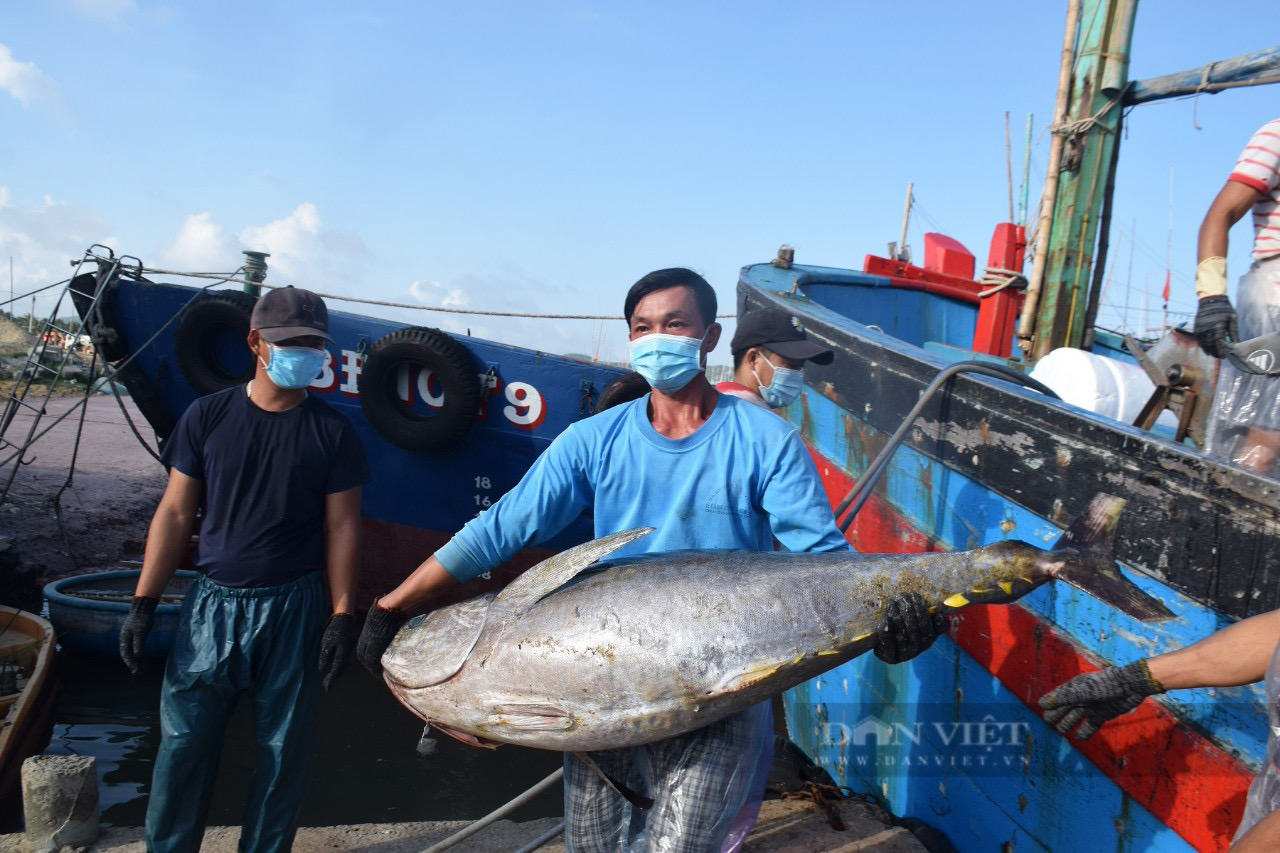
<point>28,688</point>
<point>88,610</point>
<point>449,423</point>
<point>927,409</point>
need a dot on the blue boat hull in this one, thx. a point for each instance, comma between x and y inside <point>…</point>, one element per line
<point>416,500</point>
<point>954,737</point>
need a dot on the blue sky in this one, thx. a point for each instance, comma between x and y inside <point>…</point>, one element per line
<point>541,156</point>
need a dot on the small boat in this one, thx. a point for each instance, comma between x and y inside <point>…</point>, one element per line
<point>88,610</point>
<point>28,688</point>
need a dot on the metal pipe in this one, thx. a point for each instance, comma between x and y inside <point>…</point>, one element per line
<point>1035,282</point>
<point>496,814</point>
<point>543,838</point>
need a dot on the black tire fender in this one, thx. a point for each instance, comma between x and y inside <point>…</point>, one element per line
<point>453,365</point>
<point>219,314</point>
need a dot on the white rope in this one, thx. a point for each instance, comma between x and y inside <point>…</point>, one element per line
<point>1079,126</point>
<point>411,305</point>
<point>999,280</point>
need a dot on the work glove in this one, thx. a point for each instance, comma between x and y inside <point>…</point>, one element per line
<point>336,647</point>
<point>1216,325</point>
<point>380,628</point>
<point>1093,698</point>
<point>909,628</point>
<point>133,633</point>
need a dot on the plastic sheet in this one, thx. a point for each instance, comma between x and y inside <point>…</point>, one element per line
<point>1264,793</point>
<point>1247,401</point>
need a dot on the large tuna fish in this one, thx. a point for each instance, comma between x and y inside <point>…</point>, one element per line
<point>644,648</point>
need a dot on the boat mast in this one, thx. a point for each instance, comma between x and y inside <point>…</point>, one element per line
<point>1058,303</point>
<point>1070,238</point>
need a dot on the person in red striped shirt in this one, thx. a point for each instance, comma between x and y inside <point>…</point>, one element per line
<point>1245,425</point>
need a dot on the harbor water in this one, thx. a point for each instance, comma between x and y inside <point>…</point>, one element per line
<point>365,767</point>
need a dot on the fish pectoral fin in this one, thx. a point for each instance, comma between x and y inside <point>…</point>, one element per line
<point>745,678</point>
<point>466,737</point>
<point>537,718</point>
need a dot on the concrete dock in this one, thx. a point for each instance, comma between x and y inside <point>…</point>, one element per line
<point>785,826</point>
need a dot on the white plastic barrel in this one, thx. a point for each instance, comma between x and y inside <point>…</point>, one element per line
<point>1112,388</point>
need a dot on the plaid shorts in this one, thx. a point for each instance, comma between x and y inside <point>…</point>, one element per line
<point>699,782</point>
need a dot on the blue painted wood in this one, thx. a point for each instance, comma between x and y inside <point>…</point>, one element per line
<point>941,740</point>
<point>960,514</point>
<point>1262,65</point>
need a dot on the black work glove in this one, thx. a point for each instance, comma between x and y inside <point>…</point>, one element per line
<point>1093,698</point>
<point>380,628</point>
<point>133,633</point>
<point>909,628</point>
<point>336,647</point>
<point>1216,325</point>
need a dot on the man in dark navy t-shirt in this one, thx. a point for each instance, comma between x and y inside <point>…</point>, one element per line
<point>272,476</point>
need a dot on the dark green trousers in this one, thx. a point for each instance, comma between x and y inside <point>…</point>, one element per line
<point>263,643</point>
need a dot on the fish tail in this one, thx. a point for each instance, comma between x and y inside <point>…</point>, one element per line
<point>1085,558</point>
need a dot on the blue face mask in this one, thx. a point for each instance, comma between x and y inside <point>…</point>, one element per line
<point>667,362</point>
<point>785,387</point>
<point>294,367</point>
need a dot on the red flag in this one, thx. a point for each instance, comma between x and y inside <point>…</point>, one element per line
<point>1167,274</point>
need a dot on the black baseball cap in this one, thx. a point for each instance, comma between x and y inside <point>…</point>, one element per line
<point>290,312</point>
<point>779,332</point>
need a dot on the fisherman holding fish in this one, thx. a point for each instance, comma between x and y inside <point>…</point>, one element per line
<point>1243,653</point>
<point>771,345</point>
<point>1245,426</point>
<point>708,471</point>
<point>272,478</point>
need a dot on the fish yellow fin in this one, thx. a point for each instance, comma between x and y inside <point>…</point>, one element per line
<point>957,601</point>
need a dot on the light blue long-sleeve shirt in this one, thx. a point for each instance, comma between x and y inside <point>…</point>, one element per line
<point>743,478</point>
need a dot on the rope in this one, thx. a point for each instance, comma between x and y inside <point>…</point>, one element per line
<point>412,305</point>
<point>1083,125</point>
<point>999,279</point>
<point>1195,101</point>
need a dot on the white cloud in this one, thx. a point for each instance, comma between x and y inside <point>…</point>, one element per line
<point>42,241</point>
<point>200,246</point>
<point>306,253</point>
<point>434,293</point>
<point>23,80</point>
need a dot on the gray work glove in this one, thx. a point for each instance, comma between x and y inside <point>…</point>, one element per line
<point>1215,325</point>
<point>133,633</point>
<point>909,628</point>
<point>336,647</point>
<point>380,628</point>
<point>1093,698</point>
